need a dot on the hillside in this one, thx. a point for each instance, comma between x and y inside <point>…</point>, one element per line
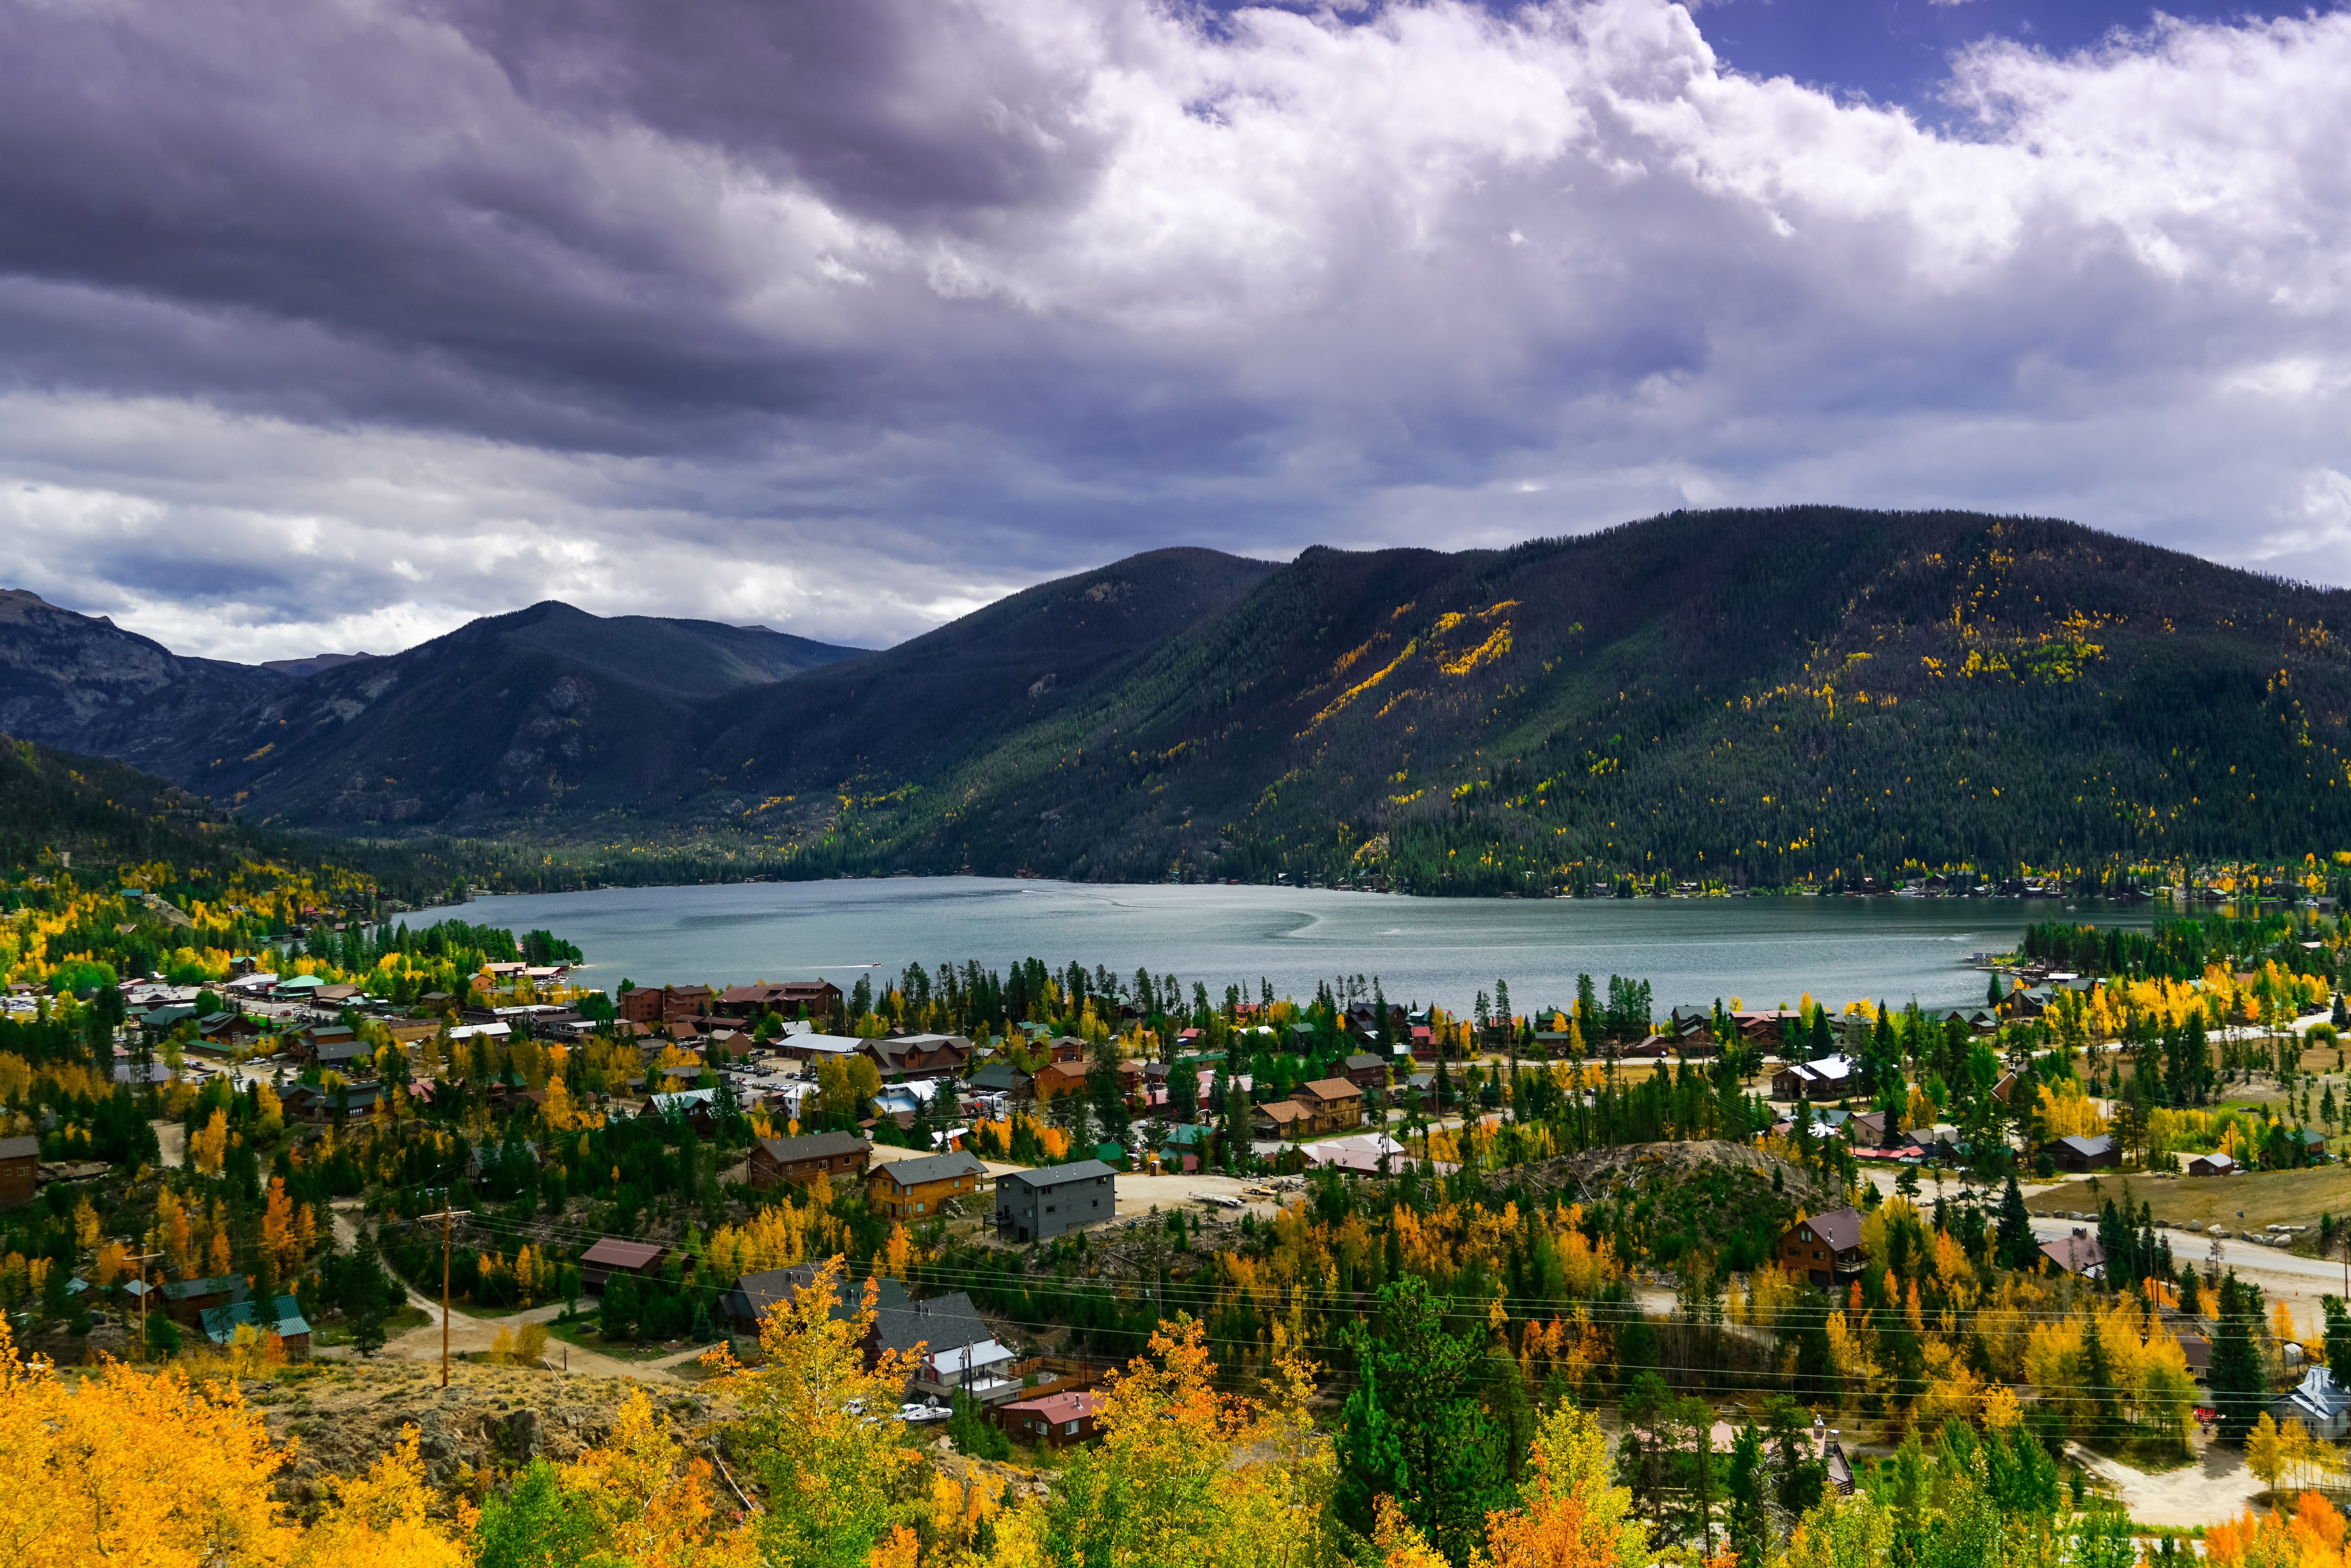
<point>510,719</point>
<point>1746,696</point>
<point>1757,697</point>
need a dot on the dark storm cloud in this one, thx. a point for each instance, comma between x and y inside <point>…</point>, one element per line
<point>333,325</point>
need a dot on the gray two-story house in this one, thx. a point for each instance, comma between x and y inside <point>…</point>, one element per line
<point>1039,1205</point>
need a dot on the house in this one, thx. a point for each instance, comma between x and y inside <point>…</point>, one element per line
<point>2077,1254</point>
<point>957,1351</point>
<point>791,999</point>
<point>186,1301</point>
<point>1335,1103</point>
<point>228,1030</point>
<point>754,1294</point>
<point>221,1323</point>
<point>698,1108</point>
<point>1763,1025</point>
<point>2215,1164</point>
<point>1057,1078</point>
<point>914,1189</point>
<point>1055,1421</point>
<point>2080,1154</point>
<point>310,1102</point>
<point>1830,1078</point>
<point>1824,1248</point>
<point>2323,1408</point>
<point>1039,1205</point>
<point>1065,1047</point>
<point>1002,1078</point>
<point>20,1169</point>
<point>919,1055</point>
<point>810,1157</point>
<point>1366,1071</point>
<point>1281,1119</point>
<point>613,1256</point>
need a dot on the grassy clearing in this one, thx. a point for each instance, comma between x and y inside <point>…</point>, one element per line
<point>2267,1197</point>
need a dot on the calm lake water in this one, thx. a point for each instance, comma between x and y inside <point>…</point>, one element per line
<point>1764,951</point>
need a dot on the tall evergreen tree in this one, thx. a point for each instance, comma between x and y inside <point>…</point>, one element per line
<point>2013,1238</point>
<point>2338,1341</point>
<point>1415,1428</point>
<point>2240,1390</point>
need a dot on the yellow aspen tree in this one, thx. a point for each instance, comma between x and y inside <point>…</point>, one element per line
<point>380,1519</point>
<point>813,1426</point>
<point>652,1507</point>
<point>209,1144</point>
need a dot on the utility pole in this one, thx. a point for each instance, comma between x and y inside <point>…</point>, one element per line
<point>142,1260</point>
<point>447,1216</point>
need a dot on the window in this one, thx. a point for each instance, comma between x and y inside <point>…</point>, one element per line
<point>918,1208</point>
<point>1069,1428</point>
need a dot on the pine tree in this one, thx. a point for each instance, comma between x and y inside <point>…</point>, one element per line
<point>2239,1388</point>
<point>2338,1341</point>
<point>2014,1235</point>
<point>1748,1524</point>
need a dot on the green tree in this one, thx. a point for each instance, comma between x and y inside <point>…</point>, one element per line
<point>1424,1436</point>
<point>2338,1341</point>
<point>1750,1524</point>
<point>2015,1233</point>
<point>2240,1388</point>
<point>533,1525</point>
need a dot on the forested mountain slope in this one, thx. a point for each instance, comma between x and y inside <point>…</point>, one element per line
<point>1751,696</point>
<point>508,721</point>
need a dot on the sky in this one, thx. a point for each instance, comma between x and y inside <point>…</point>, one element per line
<point>332,327</point>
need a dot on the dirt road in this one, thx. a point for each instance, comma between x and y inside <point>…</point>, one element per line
<point>468,1332</point>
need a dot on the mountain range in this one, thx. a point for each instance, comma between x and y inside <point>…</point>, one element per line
<point>1744,695</point>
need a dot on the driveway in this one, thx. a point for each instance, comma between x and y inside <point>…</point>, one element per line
<point>2214,1487</point>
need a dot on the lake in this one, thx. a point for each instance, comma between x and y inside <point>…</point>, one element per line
<point>1763,951</point>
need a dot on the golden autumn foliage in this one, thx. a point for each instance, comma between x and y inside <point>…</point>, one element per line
<point>1184,1474</point>
<point>146,1470</point>
<point>820,1425</point>
<point>654,1508</point>
<point>2311,1537</point>
<point>380,1522</point>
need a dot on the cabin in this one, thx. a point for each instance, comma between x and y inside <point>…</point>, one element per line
<point>1055,1421</point>
<point>918,1055</point>
<point>283,1319</point>
<point>2077,1254</point>
<point>1335,1104</point>
<point>1281,1119</point>
<point>613,1256</point>
<point>186,1301</point>
<point>1830,1078</point>
<point>1824,1248</point>
<point>916,1189</point>
<point>20,1169</point>
<point>811,1157</point>
<point>2080,1154</point>
<point>2215,1164</point>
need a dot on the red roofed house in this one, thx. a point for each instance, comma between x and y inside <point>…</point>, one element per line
<point>1055,1421</point>
<point>613,1256</point>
